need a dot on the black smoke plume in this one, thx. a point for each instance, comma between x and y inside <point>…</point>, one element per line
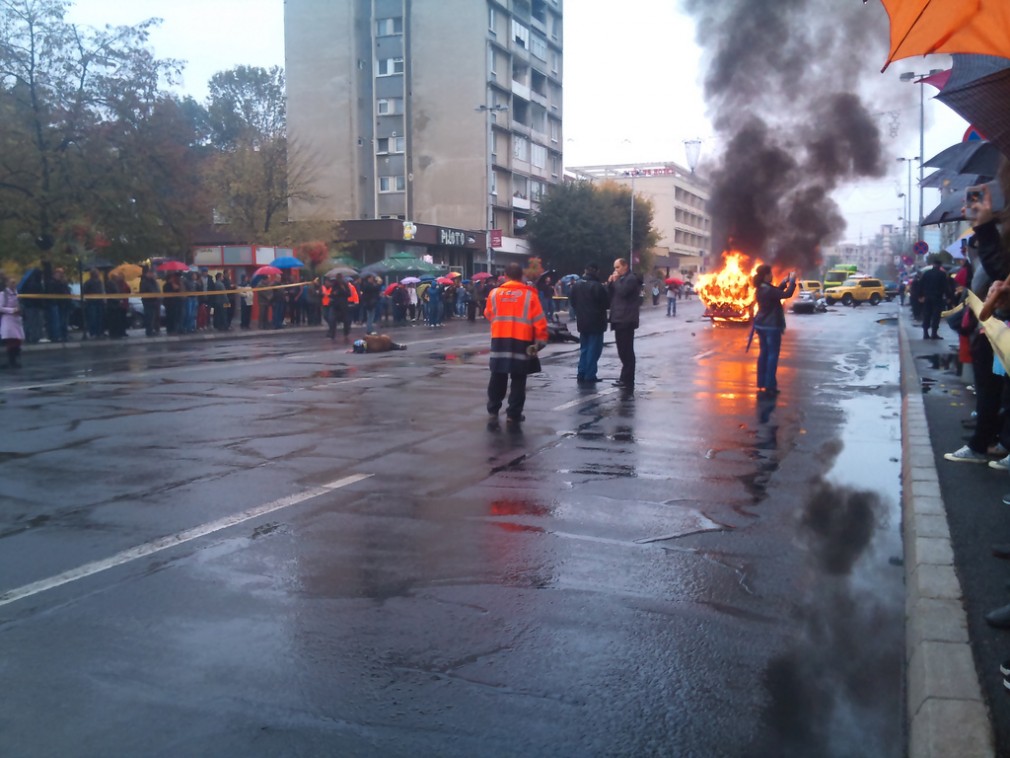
<point>783,87</point>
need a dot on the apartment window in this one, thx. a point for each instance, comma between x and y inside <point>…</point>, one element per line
<point>520,187</point>
<point>391,145</point>
<point>520,148</point>
<point>520,34</point>
<point>389,66</point>
<point>536,190</point>
<point>492,66</point>
<point>538,156</point>
<point>538,46</point>
<point>388,27</point>
<point>491,19</point>
<point>392,184</point>
<point>388,106</point>
<point>494,183</point>
<point>555,130</point>
<point>555,166</point>
<point>554,63</point>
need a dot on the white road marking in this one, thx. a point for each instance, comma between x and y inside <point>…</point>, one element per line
<point>584,399</point>
<point>179,538</point>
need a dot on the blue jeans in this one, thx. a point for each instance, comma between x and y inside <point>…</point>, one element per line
<point>370,319</point>
<point>57,323</point>
<point>671,306</point>
<point>770,342</point>
<point>590,349</point>
<point>93,312</point>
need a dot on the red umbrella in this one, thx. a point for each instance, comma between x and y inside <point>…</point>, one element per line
<point>444,280</point>
<point>391,287</point>
<point>481,276</point>
<point>674,281</point>
<point>173,266</point>
<point>267,271</point>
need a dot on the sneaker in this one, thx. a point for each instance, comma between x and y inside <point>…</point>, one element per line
<point>1003,464</point>
<point>1004,668</point>
<point>965,455</point>
<point>1006,499</point>
<point>997,449</point>
<point>1006,684</point>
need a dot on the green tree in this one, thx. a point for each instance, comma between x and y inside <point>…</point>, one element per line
<point>581,222</point>
<point>64,92</point>
<point>255,171</point>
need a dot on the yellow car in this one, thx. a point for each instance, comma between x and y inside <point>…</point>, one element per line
<point>863,290</point>
<point>810,285</point>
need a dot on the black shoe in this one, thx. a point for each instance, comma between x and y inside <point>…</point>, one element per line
<point>492,411</point>
<point>1001,551</point>
<point>622,383</point>
<point>515,419</point>
<point>999,618</point>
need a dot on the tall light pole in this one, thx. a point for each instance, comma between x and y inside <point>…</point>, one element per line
<point>631,234</point>
<point>919,79</point>
<point>489,110</point>
<point>908,215</point>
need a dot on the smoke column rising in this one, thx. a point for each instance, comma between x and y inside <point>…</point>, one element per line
<point>782,88</point>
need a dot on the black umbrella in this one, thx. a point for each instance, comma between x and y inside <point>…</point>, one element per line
<point>945,179</point>
<point>972,157</point>
<point>979,91</point>
<point>951,206</point>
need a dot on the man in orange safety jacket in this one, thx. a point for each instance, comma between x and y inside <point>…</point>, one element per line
<point>518,333</point>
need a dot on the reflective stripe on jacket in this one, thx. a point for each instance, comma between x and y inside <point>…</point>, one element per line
<point>326,295</point>
<point>353,296</point>
<point>517,321</point>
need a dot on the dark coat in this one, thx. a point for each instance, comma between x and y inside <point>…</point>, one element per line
<point>625,300</point>
<point>590,300</point>
<point>770,314</point>
<point>935,284</point>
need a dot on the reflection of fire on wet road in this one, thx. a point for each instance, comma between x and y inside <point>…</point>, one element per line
<point>728,293</point>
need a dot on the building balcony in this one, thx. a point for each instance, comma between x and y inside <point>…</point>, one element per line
<point>518,201</point>
<point>518,88</point>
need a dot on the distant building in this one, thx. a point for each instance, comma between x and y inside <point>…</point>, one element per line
<point>679,198</point>
<point>444,115</point>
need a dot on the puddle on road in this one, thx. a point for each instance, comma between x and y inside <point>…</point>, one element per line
<point>458,357</point>
<point>333,373</point>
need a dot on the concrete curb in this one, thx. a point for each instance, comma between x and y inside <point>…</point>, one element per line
<point>946,713</point>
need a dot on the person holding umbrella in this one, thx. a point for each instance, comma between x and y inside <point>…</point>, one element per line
<point>12,331</point>
<point>518,333</point>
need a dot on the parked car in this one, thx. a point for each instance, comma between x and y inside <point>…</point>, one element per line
<point>890,290</point>
<point>809,285</point>
<point>808,301</point>
<point>851,291</point>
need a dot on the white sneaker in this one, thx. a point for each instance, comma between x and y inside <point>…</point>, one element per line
<point>966,455</point>
<point>1003,464</point>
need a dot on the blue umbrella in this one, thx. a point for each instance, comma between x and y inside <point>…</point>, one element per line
<point>427,278</point>
<point>286,261</point>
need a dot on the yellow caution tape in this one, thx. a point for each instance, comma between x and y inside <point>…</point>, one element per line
<point>159,295</point>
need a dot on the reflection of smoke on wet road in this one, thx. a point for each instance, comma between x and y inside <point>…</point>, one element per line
<point>838,523</point>
<point>832,693</point>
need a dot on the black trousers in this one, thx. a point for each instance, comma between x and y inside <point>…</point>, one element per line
<point>496,388</point>
<point>624,338</point>
<point>931,309</point>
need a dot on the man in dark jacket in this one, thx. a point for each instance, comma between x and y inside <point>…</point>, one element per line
<point>625,290</point>
<point>369,295</point>
<point>590,300</point>
<point>934,292</point>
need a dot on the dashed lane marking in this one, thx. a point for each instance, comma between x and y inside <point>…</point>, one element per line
<point>173,540</point>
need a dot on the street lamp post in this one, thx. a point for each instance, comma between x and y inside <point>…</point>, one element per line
<point>919,79</point>
<point>908,214</point>
<point>489,177</point>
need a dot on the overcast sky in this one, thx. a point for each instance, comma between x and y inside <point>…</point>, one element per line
<point>631,82</point>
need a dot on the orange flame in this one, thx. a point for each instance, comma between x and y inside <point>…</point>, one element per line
<point>728,294</point>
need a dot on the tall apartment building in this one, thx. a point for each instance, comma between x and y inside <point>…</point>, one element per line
<point>426,122</point>
<point>678,197</point>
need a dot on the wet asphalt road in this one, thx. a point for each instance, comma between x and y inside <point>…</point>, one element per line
<point>270,546</point>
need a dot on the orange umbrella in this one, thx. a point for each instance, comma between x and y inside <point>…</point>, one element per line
<point>921,27</point>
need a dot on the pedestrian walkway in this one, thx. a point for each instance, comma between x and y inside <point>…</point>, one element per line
<point>947,712</point>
